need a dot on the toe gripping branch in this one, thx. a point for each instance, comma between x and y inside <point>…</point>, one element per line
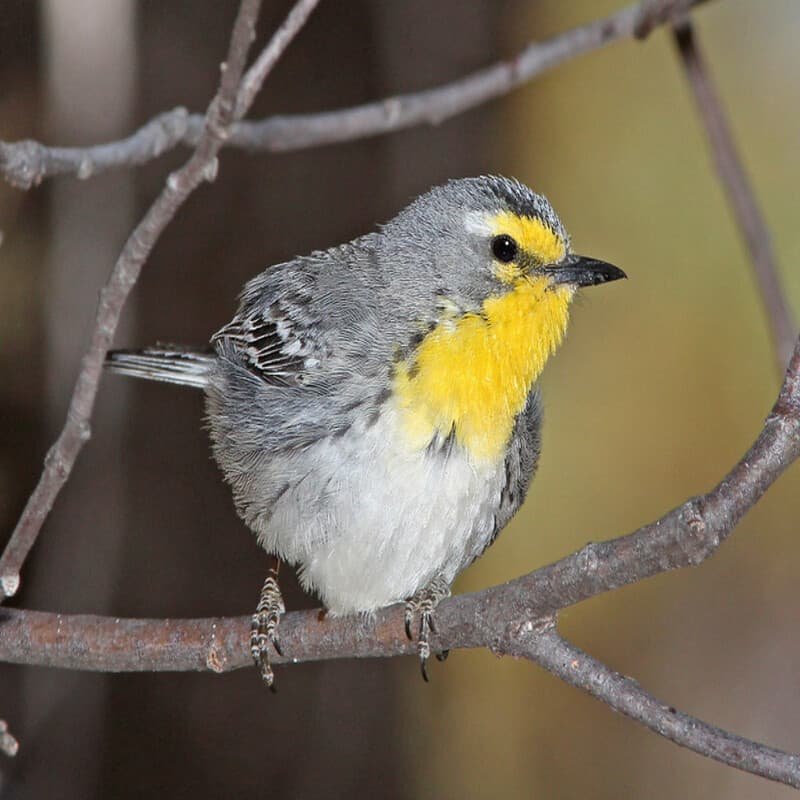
<point>264,627</point>
<point>423,604</point>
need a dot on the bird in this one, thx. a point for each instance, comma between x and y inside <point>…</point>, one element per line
<point>375,407</point>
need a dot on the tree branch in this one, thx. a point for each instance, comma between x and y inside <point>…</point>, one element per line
<point>507,618</point>
<point>738,191</point>
<point>27,163</point>
<point>229,103</point>
<point>624,694</point>
<point>684,537</point>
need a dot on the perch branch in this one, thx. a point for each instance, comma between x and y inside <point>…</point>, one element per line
<point>684,537</point>
<point>625,695</point>
<point>228,102</point>
<point>739,192</point>
<point>506,618</point>
<point>27,163</point>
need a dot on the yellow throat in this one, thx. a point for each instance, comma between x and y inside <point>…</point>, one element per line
<point>473,374</point>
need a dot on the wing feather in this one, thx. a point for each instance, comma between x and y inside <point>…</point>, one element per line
<point>275,341</point>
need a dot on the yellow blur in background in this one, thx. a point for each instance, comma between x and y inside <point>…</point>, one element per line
<point>662,384</point>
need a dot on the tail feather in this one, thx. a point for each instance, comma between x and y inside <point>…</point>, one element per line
<point>169,364</point>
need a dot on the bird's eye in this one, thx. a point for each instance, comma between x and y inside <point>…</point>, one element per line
<point>504,248</point>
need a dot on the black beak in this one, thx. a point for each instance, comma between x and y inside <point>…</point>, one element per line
<point>584,271</point>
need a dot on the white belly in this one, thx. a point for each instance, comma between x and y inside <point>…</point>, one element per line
<point>370,521</point>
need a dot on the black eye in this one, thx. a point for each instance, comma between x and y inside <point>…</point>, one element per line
<point>504,248</point>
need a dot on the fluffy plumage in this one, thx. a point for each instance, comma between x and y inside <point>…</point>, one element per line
<point>312,386</point>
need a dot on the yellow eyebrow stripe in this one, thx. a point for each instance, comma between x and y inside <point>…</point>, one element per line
<point>532,235</point>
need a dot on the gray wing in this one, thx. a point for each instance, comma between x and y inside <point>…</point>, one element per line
<point>314,322</point>
<point>275,334</point>
<point>287,374</point>
<point>299,362</point>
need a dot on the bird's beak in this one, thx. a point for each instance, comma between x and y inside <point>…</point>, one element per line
<point>583,271</point>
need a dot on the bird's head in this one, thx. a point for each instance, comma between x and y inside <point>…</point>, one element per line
<point>482,237</point>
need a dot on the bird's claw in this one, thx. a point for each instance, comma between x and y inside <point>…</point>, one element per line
<point>423,604</point>
<point>264,628</point>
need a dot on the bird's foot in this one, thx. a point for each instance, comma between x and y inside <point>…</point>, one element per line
<point>423,604</point>
<point>264,627</point>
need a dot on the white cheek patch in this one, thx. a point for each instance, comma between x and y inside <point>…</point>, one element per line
<point>477,222</point>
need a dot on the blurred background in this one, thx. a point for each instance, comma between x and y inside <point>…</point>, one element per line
<point>662,384</point>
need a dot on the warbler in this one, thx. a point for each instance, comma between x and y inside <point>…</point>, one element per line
<point>374,406</point>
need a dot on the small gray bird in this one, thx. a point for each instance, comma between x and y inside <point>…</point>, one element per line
<point>374,406</point>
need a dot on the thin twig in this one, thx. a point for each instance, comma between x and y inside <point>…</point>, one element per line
<point>27,163</point>
<point>254,78</point>
<point>738,191</point>
<point>222,112</point>
<point>656,12</point>
<point>502,618</point>
<point>625,695</point>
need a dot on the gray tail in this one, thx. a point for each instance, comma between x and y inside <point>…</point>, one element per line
<point>169,364</point>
